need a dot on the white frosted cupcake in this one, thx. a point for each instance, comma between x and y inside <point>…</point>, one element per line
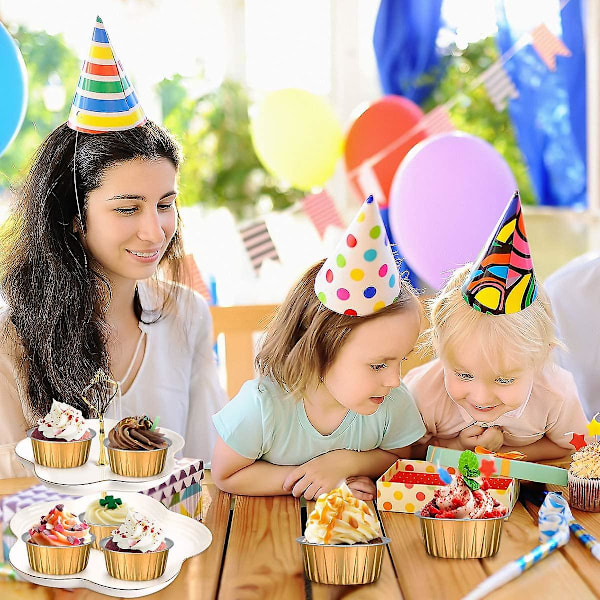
<point>104,515</point>
<point>584,479</point>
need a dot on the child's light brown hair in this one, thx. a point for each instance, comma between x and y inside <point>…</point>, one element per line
<point>528,335</point>
<point>303,339</point>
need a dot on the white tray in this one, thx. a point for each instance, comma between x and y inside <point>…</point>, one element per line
<point>189,536</point>
<point>92,478</point>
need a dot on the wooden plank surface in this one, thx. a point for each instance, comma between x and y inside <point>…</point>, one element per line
<point>263,560</point>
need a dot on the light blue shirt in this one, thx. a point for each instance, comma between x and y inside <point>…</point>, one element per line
<point>263,421</point>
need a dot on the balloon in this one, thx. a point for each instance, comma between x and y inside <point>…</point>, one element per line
<point>13,98</point>
<point>383,123</point>
<point>297,137</point>
<point>446,198</point>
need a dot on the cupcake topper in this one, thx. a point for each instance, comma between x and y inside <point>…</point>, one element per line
<point>110,502</point>
<point>577,440</point>
<point>108,390</point>
<point>155,423</point>
<point>593,427</point>
<point>361,276</point>
<point>468,465</point>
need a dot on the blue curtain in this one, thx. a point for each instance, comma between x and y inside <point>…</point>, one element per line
<point>549,114</point>
<point>404,42</point>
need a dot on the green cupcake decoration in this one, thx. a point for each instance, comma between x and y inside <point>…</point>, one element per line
<point>468,465</point>
<point>110,502</point>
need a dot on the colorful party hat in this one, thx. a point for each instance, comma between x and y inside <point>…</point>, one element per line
<point>502,280</point>
<point>361,277</point>
<point>105,99</point>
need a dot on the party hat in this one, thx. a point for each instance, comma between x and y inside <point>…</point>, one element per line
<point>105,99</point>
<point>502,280</point>
<point>361,276</point>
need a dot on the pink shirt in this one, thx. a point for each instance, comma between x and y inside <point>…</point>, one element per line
<point>553,408</point>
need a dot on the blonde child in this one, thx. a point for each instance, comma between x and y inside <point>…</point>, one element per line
<point>493,383</point>
<point>328,403</point>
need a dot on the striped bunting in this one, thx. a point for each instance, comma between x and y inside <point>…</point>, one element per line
<point>105,99</point>
<point>321,210</point>
<point>499,85</point>
<point>437,121</point>
<point>258,243</point>
<point>548,46</point>
<point>193,277</point>
<point>369,185</point>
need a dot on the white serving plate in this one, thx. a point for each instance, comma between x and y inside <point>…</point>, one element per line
<point>189,536</point>
<point>93,478</point>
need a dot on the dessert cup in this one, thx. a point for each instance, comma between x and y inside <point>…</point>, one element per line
<point>137,463</point>
<point>584,494</point>
<point>461,538</point>
<point>57,560</point>
<point>135,566</point>
<point>343,564</point>
<point>60,455</point>
<point>98,530</point>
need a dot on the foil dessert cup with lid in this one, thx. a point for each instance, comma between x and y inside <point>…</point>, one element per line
<point>135,566</point>
<point>584,493</point>
<point>461,538</point>
<point>343,564</point>
<point>57,560</point>
<point>60,455</point>
<point>137,463</point>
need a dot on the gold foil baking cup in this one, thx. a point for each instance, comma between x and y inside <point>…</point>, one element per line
<point>99,531</point>
<point>57,560</point>
<point>137,463</point>
<point>60,455</point>
<point>135,566</point>
<point>461,538</point>
<point>343,564</point>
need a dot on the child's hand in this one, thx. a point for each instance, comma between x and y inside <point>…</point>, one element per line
<point>492,439</point>
<point>470,437</point>
<point>362,487</point>
<point>317,476</point>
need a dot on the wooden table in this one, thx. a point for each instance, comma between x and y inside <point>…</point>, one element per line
<point>254,555</point>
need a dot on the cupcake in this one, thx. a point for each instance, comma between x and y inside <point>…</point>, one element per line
<point>61,439</point>
<point>103,515</point>
<point>463,520</point>
<point>342,542</point>
<point>59,544</point>
<point>135,449</point>
<point>137,550</point>
<point>584,479</point>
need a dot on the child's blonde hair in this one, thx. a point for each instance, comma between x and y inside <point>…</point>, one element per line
<point>528,335</point>
<point>303,339</point>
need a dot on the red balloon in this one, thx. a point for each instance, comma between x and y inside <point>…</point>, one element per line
<point>384,122</point>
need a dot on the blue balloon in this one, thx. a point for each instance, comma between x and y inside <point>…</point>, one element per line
<point>13,98</point>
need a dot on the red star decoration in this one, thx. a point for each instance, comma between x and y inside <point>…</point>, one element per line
<point>487,467</point>
<point>578,441</point>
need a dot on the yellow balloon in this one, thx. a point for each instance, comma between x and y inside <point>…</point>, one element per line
<point>297,137</point>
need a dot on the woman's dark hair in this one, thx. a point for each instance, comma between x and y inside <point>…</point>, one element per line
<point>57,297</point>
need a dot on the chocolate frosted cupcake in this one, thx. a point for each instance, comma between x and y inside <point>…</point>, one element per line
<point>135,449</point>
<point>61,439</point>
<point>584,479</point>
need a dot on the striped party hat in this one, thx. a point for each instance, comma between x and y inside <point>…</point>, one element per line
<point>105,99</point>
<point>502,280</point>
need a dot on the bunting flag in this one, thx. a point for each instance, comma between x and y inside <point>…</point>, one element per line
<point>194,277</point>
<point>548,46</point>
<point>499,85</point>
<point>369,185</point>
<point>104,99</point>
<point>258,243</point>
<point>321,210</point>
<point>437,121</point>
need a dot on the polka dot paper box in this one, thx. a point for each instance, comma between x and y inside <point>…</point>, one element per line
<point>408,485</point>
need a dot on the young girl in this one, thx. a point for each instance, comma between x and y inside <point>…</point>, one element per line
<point>329,403</point>
<point>95,219</point>
<point>494,383</point>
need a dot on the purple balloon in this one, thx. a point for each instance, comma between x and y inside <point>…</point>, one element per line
<point>446,197</point>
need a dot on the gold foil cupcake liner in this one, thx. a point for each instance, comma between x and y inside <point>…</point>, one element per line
<point>461,538</point>
<point>584,494</point>
<point>57,560</point>
<point>135,566</point>
<point>60,455</point>
<point>137,463</point>
<point>343,564</point>
<point>99,531</point>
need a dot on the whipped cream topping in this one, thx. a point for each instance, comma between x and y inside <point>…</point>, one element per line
<point>104,515</point>
<point>64,422</point>
<point>138,533</point>
<point>585,463</point>
<point>340,518</point>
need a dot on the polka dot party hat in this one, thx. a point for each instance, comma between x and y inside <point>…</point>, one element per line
<point>361,277</point>
<point>104,99</point>
<point>502,280</point>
